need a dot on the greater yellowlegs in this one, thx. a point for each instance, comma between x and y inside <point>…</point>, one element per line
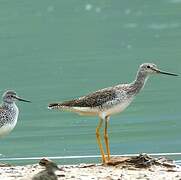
<point>49,172</point>
<point>9,112</point>
<point>105,102</point>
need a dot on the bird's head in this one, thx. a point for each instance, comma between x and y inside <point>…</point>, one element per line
<point>150,68</point>
<point>11,96</point>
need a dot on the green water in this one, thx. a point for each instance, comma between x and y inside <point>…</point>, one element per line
<point>57,50</point>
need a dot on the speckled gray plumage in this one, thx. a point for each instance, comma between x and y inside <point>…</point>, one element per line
<point>105,97</point>
<point>108,96</point>
<point>7,114</point>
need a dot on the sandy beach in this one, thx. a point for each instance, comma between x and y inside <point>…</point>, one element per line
<point>114,171</point>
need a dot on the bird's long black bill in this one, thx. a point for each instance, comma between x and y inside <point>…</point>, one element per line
<point>164,72</point>
<point>167,73</point>
<point>21,99</point>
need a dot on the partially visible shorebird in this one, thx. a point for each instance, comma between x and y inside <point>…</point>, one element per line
<point>105,102</point>
<point>9,112</point>
<point>49,172</point>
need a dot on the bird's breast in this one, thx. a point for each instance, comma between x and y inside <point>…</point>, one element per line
<point>8,120</point>
<point>117,108</point>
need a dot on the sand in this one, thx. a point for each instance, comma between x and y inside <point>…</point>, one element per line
<point>151,170</point>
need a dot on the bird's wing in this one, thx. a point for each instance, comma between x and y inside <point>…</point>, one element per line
<point>95,99</point>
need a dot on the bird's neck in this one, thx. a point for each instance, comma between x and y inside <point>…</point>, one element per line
<point>140,81</point>
<point>9,105</point>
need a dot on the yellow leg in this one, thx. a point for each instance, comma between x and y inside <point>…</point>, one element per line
<point>99,141</point>
<point>106,138</point>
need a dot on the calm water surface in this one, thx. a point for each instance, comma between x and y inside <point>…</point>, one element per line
<point>58,50</point>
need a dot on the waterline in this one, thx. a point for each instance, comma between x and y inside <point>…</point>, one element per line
<point>86,157</point>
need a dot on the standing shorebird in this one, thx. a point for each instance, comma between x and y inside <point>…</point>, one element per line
<point>9,112</point>
<point>49,172</point>
<point>105,102</point>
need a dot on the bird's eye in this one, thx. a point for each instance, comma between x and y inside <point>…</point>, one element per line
<point>148,66</point>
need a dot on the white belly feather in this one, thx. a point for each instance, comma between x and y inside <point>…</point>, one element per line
<point>116,108</point>
<point>6,129</point>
